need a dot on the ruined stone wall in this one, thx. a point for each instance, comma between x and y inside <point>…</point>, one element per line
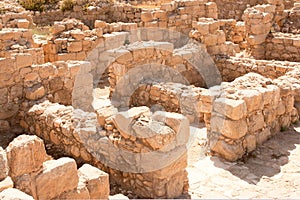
<point>258,23</point>
<point>72,40</point>
<point>24,82</point>
<point>29,169</point>
<point>173,97</point>
<point>16,20</point>
<point>75,132</point>
<point>231,9</point>
<point>19,40</point>
<point>280,46</point>
<point>207,31</point>
<point>175,15</point>
<point>173,59</point>
<point>234,31</point>
<point>292,21</point>
<point>248,111</point>
<point>232,68</point>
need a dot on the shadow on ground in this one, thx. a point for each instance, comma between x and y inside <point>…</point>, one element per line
<point>267,159</point>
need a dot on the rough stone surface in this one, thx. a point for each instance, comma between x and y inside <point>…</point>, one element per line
<point>59,175</point>
<point>25,154</point>
<point>96,180</point>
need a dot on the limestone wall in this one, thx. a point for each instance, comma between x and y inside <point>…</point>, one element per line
<point>258,23</point>
<point>22,81</point>
<point>80,139</point>
<point>207,31</point>
<point>292,21</point>
<point>248,111</point>
<point>173,97</point>
<point>73,40</point>
<point>32,171</point>
<point>16,20</point>
<point>281,46</point>
<point>232,67</point>
<point>19,40</point>
<point>235,31</point>
<point>176,14</point>
<point>232,9</point>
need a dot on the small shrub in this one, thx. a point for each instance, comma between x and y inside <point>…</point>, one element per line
<point>67,5</point>
<point>34,5</point>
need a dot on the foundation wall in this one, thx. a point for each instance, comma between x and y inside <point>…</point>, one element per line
<point>281,46</point>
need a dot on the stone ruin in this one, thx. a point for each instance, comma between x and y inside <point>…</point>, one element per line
<point>113,83</point>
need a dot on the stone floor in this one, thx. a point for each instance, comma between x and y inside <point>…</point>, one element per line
<point>271,171</point>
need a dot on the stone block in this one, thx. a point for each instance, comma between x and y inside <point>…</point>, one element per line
<point>229,128</point>
<point>233,109</point>
<point>34,93</point>
<point>257,39</point>
<point>296,42</point>
<point>57,177</point>
<point>256,122</point>
<point>97,181</point>
<point>75,46</point>
<point>23,23</point>
<point>57,28</point>
<point>253,99</point>
<point>202,27</point>
<point>25,154</point>
<point>23,59</point>
<point>100,24</point>
<point>230,152</point>
<point>147,16</point>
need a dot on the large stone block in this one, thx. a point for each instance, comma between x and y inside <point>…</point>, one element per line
<point>97,181</point>
<point>23,59</point>
<point>233,109</point>
<point>229,128</point>
<point>25,154</point>
<point>253,99</point>
<point>57,176</point>
<point>230,152</point>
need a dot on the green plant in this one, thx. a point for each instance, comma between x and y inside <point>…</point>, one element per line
<point>67,5</point>
<point>34,5</point>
